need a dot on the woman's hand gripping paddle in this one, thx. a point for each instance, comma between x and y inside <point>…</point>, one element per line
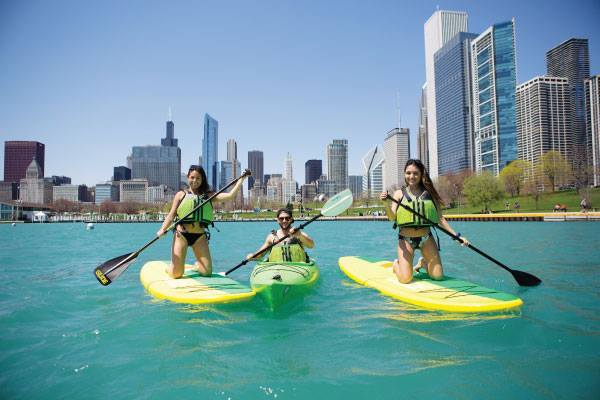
<point>522,278</point>
<point>334,206</point>
<point>112,269</point>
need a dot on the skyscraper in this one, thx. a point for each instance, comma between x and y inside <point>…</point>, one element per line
<point>169,140</point>
<point>571,60</point>
<point>34,188</point>
<point>396,150</point>
<point>422,148</point>
<point>17,157</point>
<point>288,184</point>
<point>593,125</point>
<point>373,178</point>
<point>439,29</point>
<point>210,149</point>
<point>453,105</point>
<point>312,170</point>
<point>543,118</point>
<point>224,173</point>
<point>494,79</point>
<point>160,165</point>
<point>356,185</point>
<point>256,166</point>
<point>231,150</point>
<point>337,163</point>
<point>121,173</point>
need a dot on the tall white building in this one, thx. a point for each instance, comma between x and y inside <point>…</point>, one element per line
<point>288,184</point>
<point>592,94</point>
<point>396,150</point>
<point>422,148</point>
<point>373,178</point>
<point>34,188</point>
<point>439,29</point>
<point>543,118</point>
<point>337,163</point>
<point>288,171</point>
<point>231,150</point>
<point>274,188</point>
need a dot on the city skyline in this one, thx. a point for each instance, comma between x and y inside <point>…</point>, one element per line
<point>88,106</point>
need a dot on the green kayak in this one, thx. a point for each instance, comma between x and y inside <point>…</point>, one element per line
<point>278,282</point>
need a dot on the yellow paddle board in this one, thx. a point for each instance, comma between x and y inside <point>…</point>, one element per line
<point>449,294</point>
<point>191,288</point>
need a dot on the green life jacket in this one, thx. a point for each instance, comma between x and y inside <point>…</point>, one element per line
<point>423,204</point>
<point>203,214</point>
<point>291,252</point>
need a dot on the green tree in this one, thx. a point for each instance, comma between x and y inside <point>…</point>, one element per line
<point>555,168</point>
<point>512,176</point>
<point>483,190</point>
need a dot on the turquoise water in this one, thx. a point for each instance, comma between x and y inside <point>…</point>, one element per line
<point>62,335</point>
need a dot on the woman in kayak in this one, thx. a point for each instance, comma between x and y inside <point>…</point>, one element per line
<point>288,249</point>
<point>414,232</point>
<point>193,230</point>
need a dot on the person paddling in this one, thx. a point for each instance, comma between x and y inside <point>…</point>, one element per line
<point>193,230</point>
<point>415,233</point>
<point>289,249</point>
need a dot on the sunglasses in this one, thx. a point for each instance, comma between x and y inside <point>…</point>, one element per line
<point>285,218</point>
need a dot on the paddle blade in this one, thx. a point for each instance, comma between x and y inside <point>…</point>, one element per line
<point>337,204</point>
<point>111,269</point>
<point>525,278</point>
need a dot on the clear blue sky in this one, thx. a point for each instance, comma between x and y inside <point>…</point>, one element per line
<point>92,79</point>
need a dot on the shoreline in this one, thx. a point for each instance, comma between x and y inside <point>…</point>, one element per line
<point>499,217</point>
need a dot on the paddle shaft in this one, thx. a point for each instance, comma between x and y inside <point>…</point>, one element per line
<point>455,237</point>
<point>301,226</point>
<point>173,225</point>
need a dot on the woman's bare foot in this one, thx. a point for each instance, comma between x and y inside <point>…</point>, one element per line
<point>420,265</point>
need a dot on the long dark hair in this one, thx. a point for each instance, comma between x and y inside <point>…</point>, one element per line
<point>426,183</point>
<point>204,186</point>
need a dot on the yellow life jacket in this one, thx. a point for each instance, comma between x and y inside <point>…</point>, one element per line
<point>291,251</point>
<point>203,214</point>
<point>423,204</point>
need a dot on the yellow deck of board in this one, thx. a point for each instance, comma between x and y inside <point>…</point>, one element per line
<point>191,289</point>
<point>424,293</point>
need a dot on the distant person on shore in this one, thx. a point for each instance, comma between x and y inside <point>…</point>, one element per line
<point>583,205</point>
<point>289,249</point>
<point>415,233</point>
<point>517,206</point>
<point>193,231</point>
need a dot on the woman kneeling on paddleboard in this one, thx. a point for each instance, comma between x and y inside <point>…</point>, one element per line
<point>193,230</point>
<point>420,195</point>
<point>289,249</point>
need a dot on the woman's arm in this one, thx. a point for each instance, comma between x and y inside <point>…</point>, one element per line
<point>391,206</point>
<point>444,224</point>
<point>171,216</point>
<point>236,188</point>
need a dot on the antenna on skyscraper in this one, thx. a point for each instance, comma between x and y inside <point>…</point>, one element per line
<point>170,114</point>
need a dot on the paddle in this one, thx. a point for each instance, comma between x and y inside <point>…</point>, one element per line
<point>111,269</point>
<point>334,206</point>
<point>522,278</point>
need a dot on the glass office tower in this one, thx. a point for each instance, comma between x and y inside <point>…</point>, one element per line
<point>210,149</point>
<point>453,105</point>
<point>571,59</point>
<point>494,80</point>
